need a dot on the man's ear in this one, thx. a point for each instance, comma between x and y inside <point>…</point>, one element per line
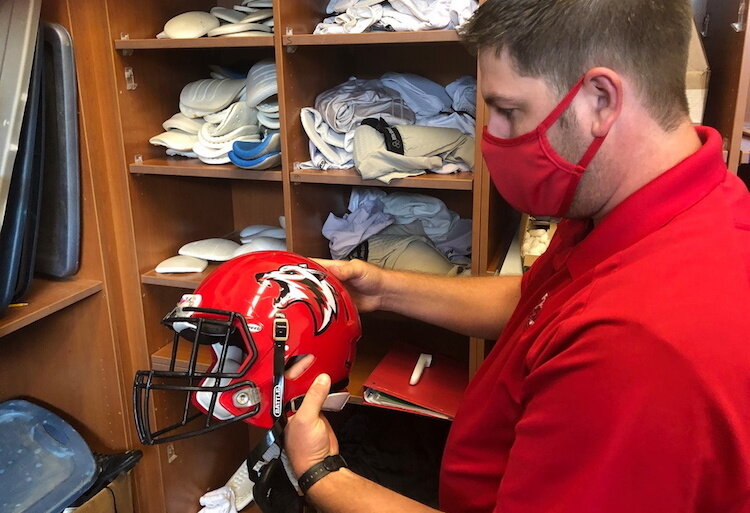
<point>602,88</point>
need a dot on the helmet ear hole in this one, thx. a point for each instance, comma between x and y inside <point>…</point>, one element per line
<point>297,365</point>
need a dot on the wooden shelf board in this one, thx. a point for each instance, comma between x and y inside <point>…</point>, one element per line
<point>457,181</point>
<point>46,297</point>
<point>745,150</point>
<point>426,36</point>
<point>160,359</point>
<point>194,167</point>
<point>366,361</point>
<point>201,42</point>
<point>177,280</point>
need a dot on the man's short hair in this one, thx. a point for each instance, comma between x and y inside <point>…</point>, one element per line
<point>558,40</point>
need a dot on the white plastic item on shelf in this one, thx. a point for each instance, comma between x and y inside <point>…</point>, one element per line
<point>261,244</point>
<point>218,141</point>
<point>228,15</point>
<point>238,28</point>
<point>214,250</point>
<point>272,232</point>
<point>181,122</point>
<point>257,16</point>
<point>175,140</point>
<point>190,24</point>
<point>254,229</point>
<point>261,82</point>
<point>182,264</point>
<point>263,4</point>
<point>209,95</point>
<point>271,143</point>
<point>236,115</point>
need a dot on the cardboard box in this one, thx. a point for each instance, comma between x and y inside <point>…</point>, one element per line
<point>116,498</point>
<point>696,79</point>
<point>529,223</point>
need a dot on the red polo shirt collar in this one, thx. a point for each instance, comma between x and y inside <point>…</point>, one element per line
<point>653,206</point>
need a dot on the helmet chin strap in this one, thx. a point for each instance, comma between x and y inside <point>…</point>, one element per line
<point>266,475</point>
<point>280,337</point>
<point>270,481</point>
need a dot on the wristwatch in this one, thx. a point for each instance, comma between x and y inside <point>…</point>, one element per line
<point>320,470</point>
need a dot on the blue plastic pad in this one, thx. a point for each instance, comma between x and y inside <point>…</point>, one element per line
<point>44,463</point>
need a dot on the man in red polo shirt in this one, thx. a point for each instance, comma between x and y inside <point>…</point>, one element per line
<point>620,382</point>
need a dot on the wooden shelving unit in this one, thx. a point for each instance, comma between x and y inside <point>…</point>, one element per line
<point>370,38</point>
<point>176,280</point>
<point>457,181</point>
<point>194,167</point>
<point>203,42</point>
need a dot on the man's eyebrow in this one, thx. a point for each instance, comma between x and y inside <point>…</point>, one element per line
<point>498,98</point>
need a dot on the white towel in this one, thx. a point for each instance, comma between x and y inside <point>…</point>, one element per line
<point>218,501</point>
<point>356,20</point>
<point>347,232</point>
<point>339,6</point>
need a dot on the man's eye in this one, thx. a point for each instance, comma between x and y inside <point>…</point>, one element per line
<point>507,113</point>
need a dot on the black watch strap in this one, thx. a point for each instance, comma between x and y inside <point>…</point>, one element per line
<point>320,470</point>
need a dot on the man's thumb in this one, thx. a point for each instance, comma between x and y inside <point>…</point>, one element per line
<point>315,397</point>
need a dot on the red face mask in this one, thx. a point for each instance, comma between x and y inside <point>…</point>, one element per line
<point>529,173</point>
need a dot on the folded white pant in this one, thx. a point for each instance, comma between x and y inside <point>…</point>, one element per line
<point>422,95</point>
<point>463,93</point>
<point>342,5</point>
<point>343,107</point>
<point>445,228</point>
<point>424,148</point>
<point>449,233</point>
<point>458,120</point>
<point>318,161</point>
<point>436,14</point>
<point>334,146</point>
<point>402,248</point>
<point>347,232</point>
<point>356,20</point>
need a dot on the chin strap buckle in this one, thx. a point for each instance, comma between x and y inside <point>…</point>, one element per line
<point>280,337</point>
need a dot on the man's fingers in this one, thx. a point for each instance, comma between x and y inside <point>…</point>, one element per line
<point>343,270</point>
<point>316,395</point>
<point>325,262</point>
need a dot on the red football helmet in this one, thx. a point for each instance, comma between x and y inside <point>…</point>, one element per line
<point>260,314</point>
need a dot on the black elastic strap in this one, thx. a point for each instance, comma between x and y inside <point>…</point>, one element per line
<point>391,136</point>
<point>320,470</point>
<point>360,252</point>
<point>274,493</point>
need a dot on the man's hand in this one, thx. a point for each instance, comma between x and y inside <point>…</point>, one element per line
<point>308,438</point>
<point>363,281</point>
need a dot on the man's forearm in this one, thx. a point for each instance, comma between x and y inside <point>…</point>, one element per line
<point>344,491</point>
<point>476,306</point>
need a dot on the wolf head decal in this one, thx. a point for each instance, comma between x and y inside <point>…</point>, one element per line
<point>301,283</point>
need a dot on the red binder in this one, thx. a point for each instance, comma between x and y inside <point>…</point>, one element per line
<point>437,394</point>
